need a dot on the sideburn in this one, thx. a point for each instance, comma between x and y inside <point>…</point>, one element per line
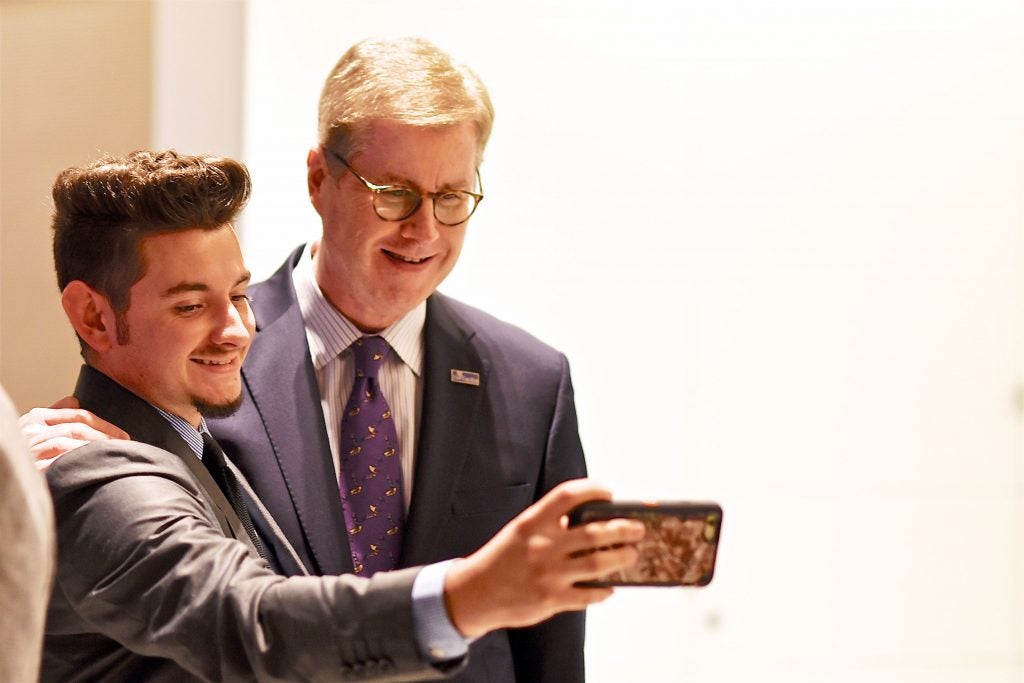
<point>121,323</point>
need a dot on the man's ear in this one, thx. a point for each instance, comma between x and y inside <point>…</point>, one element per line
<point>91,314</point>
<point>316,174</point>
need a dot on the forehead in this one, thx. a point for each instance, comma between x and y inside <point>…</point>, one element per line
<point>425,154</point>
<point>210,257</point>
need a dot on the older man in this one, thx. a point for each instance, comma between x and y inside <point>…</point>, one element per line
<point>485,418</point>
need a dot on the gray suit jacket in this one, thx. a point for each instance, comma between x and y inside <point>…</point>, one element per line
<point>485,452</point>
<point>157,581</point>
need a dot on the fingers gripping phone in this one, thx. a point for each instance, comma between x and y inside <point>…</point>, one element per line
<point>679,548</point>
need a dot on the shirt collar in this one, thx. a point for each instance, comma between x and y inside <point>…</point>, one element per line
<point>186,431</point>
<point>329,332</point>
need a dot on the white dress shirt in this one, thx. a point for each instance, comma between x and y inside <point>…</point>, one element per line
<point>330,333</point>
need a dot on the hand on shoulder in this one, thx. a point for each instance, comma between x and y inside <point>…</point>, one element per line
<point>52,432</point>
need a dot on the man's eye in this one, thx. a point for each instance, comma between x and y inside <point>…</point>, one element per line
<point>451,199</point>
<point>398,194</point>
<point>240,298</point>
<point>188,308</point>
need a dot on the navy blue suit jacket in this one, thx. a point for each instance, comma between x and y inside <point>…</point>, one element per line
<point>484,454</point>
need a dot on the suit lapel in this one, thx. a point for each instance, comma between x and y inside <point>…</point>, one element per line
<point>282,383</point>
<point>446,427</point>
<point>108,399</point>
<point>230,524</point>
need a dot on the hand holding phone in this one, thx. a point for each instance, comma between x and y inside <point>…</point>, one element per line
<point>679,549</point>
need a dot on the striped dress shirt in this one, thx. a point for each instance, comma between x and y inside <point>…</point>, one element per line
<point>329,334</point>
<point>192,436</point>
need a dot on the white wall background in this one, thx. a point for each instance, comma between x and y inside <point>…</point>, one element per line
<point>782,245</point>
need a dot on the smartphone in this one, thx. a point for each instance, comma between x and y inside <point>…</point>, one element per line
<point>679,548</point>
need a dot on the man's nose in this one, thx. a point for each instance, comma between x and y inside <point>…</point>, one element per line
<point>235,325</point>
<point>421,226</point>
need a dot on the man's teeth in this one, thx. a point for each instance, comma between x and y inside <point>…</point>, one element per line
<point>406,258</point>
<point>212,362</point>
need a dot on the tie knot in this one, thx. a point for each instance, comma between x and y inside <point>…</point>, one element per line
<point>370,353</point>
<point>210,446</point>
<point>213,459</point>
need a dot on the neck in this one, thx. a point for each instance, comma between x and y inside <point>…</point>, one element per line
<point>367,321</point>
<point>188,413</point>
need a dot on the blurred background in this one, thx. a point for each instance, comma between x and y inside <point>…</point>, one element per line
<point>781,243</point>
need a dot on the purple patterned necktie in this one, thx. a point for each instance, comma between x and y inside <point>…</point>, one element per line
<point>371,471</point>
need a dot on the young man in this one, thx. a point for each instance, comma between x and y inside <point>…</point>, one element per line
<point>161,542</point>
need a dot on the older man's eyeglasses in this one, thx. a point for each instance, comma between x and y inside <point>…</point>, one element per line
<point>397,202</point>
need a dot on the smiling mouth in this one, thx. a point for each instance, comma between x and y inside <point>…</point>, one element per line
<point>406,259</point>
<point>212,362</point>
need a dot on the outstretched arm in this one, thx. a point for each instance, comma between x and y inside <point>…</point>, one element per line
<point>168,583</point>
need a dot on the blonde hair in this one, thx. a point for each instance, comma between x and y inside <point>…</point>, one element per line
<point>409,80</point>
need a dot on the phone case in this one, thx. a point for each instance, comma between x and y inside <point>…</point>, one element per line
<point>679,549</point>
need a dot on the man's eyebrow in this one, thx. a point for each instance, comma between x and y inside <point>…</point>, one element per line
<point>401,181</point>
<point>201,286</point>
<point>443,187</point>
<point>186,287</point>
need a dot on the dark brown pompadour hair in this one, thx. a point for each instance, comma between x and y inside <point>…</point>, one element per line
<point>103,211</point>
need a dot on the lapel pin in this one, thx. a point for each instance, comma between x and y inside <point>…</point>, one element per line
<point>466,377</point>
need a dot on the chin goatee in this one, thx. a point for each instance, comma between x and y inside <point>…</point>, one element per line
<point>215,410</point>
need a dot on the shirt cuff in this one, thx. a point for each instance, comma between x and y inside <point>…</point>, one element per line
<point>437,637</point>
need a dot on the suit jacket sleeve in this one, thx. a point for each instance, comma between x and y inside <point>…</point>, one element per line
<point>143,562</point>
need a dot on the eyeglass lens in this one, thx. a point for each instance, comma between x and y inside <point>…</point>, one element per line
<point>450,208</point>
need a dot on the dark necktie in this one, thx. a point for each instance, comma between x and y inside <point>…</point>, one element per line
<point>213,459</point>
<point>371,471</point>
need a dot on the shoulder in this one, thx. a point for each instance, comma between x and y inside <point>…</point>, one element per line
<point>496,338</point>
<point>272,297</point>
<point>105,462</point>
<point>121,496</point>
